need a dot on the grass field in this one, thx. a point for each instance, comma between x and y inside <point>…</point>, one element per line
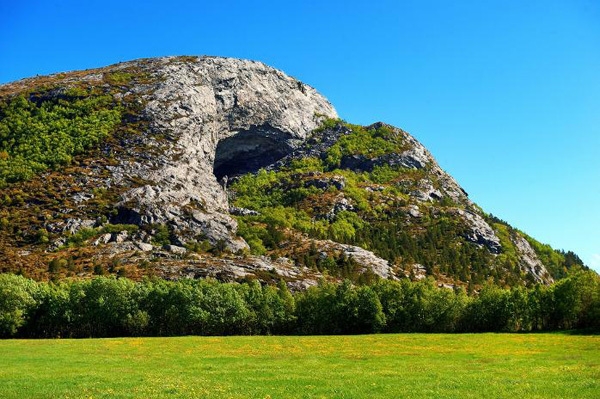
<point>371,366</point>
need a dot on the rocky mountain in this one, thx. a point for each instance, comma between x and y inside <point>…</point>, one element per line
<point>207,166</point>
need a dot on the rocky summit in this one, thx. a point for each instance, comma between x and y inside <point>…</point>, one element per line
<point>206,166</point>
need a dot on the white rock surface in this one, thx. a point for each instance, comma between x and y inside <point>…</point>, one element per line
<point>530,263</point>
<point>196,106</point>
<point>480,231</point>
<point>365,258</point>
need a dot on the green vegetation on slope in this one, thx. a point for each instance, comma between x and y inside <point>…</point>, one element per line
<point>66,126</point>
<point>369,143</point>
<point>45,130</point>
<point>559,263</point>
<point>375,366</point>
<point>346,196</point>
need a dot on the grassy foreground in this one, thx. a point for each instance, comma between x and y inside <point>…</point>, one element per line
<point>370,366</point>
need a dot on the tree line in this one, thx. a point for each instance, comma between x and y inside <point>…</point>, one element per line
<point>108,307</point>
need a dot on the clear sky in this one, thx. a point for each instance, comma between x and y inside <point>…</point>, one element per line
<point>504,93</point>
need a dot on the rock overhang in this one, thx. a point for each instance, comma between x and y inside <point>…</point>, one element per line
<point>225,117</point>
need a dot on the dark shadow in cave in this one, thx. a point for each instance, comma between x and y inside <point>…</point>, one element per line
<point>250,150</point>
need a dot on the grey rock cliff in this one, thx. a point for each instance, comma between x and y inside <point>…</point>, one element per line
<point>530,263</point>
<point>221,117</point>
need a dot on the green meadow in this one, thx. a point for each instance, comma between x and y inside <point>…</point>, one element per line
<point>368,366</point>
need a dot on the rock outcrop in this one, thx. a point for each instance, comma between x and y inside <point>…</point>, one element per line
<point>480,231</point>
<point>222,117</point>
<point>530,262</point>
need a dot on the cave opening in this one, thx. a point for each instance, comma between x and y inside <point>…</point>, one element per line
<point>249,150</point>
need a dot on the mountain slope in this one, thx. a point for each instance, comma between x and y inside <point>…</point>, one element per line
<point>148,167</point>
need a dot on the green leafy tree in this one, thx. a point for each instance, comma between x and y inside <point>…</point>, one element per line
<point>227,312</point>
<point>101,306</point>
<point>490,311</point>
<point>17,299</point>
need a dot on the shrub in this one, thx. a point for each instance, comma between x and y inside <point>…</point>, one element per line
<point>47,129</point>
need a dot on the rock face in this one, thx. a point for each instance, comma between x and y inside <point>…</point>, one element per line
<point>530,263</point>
<point>480,231</point>
<point>367,259</point>
<point>222,117</point>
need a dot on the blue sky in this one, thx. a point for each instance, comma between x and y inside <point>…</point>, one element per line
<point>505,94</point>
